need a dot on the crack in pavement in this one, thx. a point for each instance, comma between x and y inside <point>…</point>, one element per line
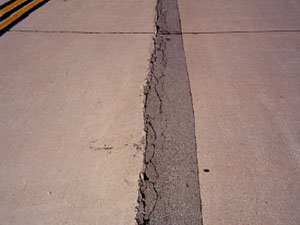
<point>82,32</point>
<point>168,187</point>
<point>148,194</point>
<point>149,33</point>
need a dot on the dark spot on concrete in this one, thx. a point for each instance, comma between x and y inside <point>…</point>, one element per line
<point>101,148</point>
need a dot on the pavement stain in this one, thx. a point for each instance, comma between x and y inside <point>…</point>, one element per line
<point>94,145</point>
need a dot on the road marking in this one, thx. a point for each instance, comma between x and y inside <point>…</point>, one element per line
<point>11,6</point>
<point>19,13</point>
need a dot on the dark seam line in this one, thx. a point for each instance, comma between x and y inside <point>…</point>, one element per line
<point>14,10</point>
<point>6,4</point>
<point>160,33</point>
<point>230,32</point>
<point>244,32</point>
<point>77,32</point>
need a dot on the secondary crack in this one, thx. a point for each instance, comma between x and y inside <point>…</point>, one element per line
<point>148,194</point>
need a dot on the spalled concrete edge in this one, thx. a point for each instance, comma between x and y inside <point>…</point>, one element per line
<point>141,217</point>
<point>147,181</point>
<point>141,198</point>
<point>169,184</point>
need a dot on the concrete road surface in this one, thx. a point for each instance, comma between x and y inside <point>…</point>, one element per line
<point>110,105</point>
<point>243,61</point>
<point>71,118</point>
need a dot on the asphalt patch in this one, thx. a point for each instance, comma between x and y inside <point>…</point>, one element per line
<point>169,184</point>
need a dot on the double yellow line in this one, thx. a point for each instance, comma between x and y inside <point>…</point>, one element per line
<point>6,22</point>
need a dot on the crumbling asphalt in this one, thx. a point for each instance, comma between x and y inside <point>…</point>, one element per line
<point>169,184</point>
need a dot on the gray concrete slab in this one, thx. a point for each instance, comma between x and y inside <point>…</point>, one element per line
<point>97,16</point>
<point>71,127</point>
<point>218,15</point>
<point>71,115</point>
<point>246,98</point>
<point>2,1</point>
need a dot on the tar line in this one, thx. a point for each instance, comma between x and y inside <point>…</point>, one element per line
<point>14,11</point>
<point>169,183</point>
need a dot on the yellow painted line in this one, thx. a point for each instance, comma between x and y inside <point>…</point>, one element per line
<point>11,6</point>
<point>19,13</point>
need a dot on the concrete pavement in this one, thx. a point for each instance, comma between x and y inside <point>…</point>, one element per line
<point>93,16</point>
<point>246,98</point>
<point>71,115</point>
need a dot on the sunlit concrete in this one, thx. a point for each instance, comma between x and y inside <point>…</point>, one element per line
<point>246,98</point>
<point>217,15</point>
<point>71,120</point>
<point>93,16</point>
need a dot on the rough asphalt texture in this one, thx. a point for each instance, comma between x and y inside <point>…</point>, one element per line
<point>169,184</point>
